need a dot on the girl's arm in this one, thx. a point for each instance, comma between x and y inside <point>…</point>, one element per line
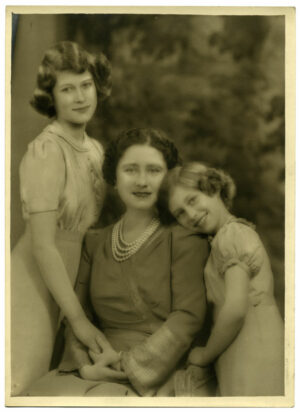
<point>229,320</point>
<point>76,357</point>
<point>55,276</point>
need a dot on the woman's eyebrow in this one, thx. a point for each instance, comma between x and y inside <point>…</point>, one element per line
<point>87,79</point>
<point>129,164</point>
<point>147,164</point>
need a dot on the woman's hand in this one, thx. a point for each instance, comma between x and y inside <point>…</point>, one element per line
<point>88,334</point>
<point>198,356</point>
<point>106,366</point>
<point>109,357</point>
<point>99,372</point>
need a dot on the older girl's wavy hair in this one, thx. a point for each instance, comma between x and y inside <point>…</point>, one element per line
<point>196,176</point>
<point>69,56</point>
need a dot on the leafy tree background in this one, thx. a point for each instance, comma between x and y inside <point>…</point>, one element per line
<point>215,84</point>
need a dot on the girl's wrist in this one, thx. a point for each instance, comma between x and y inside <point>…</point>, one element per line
<point>81,317</point>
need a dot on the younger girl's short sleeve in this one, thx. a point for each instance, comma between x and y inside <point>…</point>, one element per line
<point>42,176</point>
<point>238,244</point>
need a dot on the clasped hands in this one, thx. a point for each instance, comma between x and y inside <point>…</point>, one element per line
<point>107,365</point>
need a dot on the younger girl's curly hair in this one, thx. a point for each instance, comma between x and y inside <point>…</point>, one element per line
<point>196,176</point>
<point>68,55</point>
<point>139,136</point>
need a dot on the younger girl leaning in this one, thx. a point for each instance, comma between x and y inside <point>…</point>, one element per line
<point>246,343</point>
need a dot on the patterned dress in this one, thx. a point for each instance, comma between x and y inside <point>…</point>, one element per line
<point>59,174</point>
<point>253,365</point>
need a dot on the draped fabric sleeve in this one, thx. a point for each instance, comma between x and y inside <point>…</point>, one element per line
<point>42,176</point>
<point>148,364</point>
<point>238,244</point>
<point>75,354</point>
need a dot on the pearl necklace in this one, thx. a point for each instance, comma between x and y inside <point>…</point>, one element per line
<point>123,250</point>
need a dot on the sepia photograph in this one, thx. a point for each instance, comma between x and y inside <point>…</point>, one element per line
<point>150,205</point>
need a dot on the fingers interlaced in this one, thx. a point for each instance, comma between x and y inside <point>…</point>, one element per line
<point>95,349</point>
<point>95,356</point>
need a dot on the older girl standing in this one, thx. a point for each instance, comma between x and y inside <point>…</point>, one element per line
<point>62,192</point>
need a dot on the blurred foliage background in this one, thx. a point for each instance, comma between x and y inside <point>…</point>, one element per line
<point>215,84</point>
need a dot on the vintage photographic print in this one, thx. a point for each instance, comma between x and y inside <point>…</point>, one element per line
<point>150,174</point>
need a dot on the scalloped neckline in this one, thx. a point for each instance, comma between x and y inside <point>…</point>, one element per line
<point>55,128</point>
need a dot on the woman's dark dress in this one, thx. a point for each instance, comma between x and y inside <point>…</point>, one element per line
<point>150,307</point>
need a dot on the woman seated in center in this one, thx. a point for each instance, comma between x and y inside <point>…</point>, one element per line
<point>141,281</point>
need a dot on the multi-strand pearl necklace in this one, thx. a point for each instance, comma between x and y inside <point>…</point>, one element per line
<point>123,250</point>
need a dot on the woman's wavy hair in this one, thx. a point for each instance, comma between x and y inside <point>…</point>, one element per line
<point>198,176</point>
<point>68,55</point>
<point>139,136</point>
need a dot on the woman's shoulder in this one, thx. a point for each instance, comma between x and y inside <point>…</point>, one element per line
<point>179,232</point>
<point>184,239</point>
<point>95,237</point>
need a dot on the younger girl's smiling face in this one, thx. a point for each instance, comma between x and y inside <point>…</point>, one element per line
<point>139,174</point>
<point>195,210</point>
<point>75,97</point>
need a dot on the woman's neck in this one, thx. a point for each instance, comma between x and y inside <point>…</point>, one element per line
<point>135,222</point>
<point>73,130</point>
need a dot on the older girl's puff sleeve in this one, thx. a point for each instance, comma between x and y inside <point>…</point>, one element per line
<point>148,364</point>
<point>75,354</point>
<point>238,244</point>
<point>42,176</point>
